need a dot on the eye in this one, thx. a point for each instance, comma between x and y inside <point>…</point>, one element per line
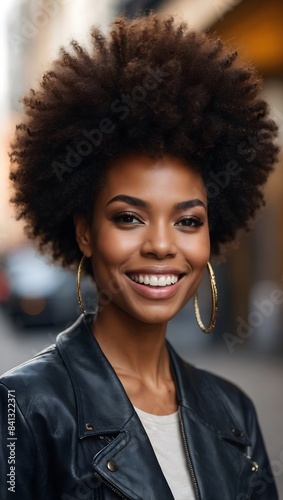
<point>126,218</point>
<point>190,222</point>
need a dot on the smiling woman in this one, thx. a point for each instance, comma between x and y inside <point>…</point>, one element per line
<point>111,411</point>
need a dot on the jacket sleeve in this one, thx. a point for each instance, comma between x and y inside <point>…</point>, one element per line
<point>17,451</point>
<point>263,484</point>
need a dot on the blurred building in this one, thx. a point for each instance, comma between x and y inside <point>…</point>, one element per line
<point>255,29</point>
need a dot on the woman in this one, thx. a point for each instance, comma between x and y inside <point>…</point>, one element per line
<point>113,170</point>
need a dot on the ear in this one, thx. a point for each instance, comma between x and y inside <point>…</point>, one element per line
<point>83,234</point>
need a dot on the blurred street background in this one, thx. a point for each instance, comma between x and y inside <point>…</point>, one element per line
<point>37,300</point>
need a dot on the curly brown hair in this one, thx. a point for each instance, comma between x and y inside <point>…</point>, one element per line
<point>155,87</point>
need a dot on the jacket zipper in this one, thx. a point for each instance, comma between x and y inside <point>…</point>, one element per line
<point>189,461</point>
<point>109,485</point>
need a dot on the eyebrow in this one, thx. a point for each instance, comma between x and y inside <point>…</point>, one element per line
<point>183,205</point>
<point>137,202</point>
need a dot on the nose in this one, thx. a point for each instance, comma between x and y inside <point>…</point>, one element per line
<point>159,241</point>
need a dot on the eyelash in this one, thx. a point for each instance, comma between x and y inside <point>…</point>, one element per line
<point>197,222</point>
<point>120,218</point>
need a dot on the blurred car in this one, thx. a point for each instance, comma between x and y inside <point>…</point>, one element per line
<point>35,292</point>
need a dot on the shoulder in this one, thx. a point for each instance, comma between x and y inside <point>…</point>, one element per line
<point>36,380</point>
<point>47,369</point>
<point>46,381</point>
<point>204,381</point>
<point>220,385</point>
<point>214,399</point>
<point>222,389</point>
<point>34,368</point>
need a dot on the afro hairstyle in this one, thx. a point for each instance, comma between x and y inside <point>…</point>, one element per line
<point>154,87</point>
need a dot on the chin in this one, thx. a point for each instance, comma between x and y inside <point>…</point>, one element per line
<point>155,317</point>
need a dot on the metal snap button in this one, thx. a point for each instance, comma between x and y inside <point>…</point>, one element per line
<point>112,465</point>
<point>255,467</point>
<point>237,432</point>
<point>88,426</point>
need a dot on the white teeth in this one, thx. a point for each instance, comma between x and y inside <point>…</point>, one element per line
<point>155,280</point>
<point>162,281</point>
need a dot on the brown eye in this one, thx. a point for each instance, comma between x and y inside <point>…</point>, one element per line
<point>126,218</point>
<point>190,222</point>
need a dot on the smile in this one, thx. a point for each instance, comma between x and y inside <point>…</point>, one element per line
<point>154,279</point>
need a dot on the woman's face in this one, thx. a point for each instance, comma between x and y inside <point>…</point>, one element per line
<point>149,240</point>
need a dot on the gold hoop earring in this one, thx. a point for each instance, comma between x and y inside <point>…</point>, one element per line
<point>214,303</point>
<point>78,283</point>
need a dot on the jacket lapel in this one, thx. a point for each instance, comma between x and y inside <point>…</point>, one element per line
<point>137,472</point>
<point>104,409</point>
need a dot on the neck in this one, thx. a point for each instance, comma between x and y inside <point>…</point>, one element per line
<point>131,346</point>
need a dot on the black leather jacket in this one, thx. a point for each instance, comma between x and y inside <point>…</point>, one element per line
<point>78,437</point>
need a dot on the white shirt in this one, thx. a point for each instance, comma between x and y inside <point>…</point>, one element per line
<point>165,436</point>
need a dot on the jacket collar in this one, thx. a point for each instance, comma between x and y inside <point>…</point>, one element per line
<point>90,371</point>
<point>92,375</point>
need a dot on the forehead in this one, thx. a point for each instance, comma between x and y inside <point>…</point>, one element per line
<point>145,177</point>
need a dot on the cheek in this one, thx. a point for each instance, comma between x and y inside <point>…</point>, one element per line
<point>198,254</point>
<point>197,249</point>
<point>111,247</point>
